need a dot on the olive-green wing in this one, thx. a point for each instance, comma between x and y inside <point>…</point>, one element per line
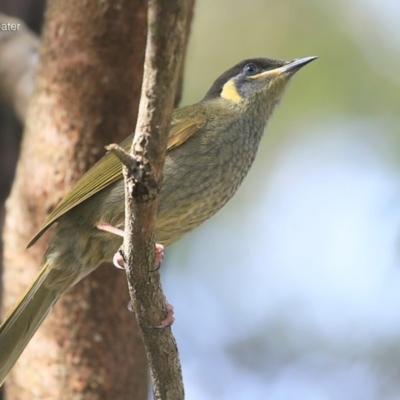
<point>108,170</point>
<point>182,131</point>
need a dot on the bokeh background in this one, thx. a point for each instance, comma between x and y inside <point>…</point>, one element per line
<point>293,290</point>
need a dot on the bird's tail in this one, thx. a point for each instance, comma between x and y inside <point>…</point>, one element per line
<point>21,324</point>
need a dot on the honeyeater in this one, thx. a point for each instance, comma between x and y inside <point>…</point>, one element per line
<point>211,147</point>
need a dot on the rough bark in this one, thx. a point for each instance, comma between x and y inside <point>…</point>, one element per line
<point>168,29</point>
<point>86,95</point>
<point>165,43</point>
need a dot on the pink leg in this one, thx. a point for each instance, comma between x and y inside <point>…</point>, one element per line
<point>103,226</point>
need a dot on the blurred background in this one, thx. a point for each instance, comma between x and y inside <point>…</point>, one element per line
<point>292,292</point>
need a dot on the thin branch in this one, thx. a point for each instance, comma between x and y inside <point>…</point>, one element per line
<point>86,94</point>
<point>165,43</point>
<point>122,155</point>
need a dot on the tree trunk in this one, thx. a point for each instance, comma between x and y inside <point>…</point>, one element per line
<point>86,95</point>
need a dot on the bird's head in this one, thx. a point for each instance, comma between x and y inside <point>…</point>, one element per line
<point>257,81</point>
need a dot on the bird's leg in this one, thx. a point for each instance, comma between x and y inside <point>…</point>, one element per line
<point>103,226</point>
<point>118,260</point>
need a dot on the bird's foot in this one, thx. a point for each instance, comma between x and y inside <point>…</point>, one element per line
<point>118,260</point>
<point>167,321</point>
<point>159,255</point>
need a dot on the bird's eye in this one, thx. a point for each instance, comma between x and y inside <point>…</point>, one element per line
<point>250,69</point>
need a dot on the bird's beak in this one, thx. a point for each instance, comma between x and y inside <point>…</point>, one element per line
<point>293,66</point>
<point>287,69</point>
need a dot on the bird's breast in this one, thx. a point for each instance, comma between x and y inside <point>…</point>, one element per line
<point>201,175</point>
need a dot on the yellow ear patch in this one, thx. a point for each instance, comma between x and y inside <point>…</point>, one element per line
<point>230,92</point>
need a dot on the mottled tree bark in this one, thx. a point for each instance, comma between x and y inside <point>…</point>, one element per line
<point>86,95</point>
<point>143,170</point>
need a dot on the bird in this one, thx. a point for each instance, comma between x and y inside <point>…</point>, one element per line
<point>211,147</point>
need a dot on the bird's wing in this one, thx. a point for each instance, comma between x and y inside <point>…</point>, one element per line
<point>182,131</point>
<point>109,170</point>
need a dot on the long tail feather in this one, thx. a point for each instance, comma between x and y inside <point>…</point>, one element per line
<point>21,324</point>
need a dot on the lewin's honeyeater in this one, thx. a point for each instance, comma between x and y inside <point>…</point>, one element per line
<point>211,147</point>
